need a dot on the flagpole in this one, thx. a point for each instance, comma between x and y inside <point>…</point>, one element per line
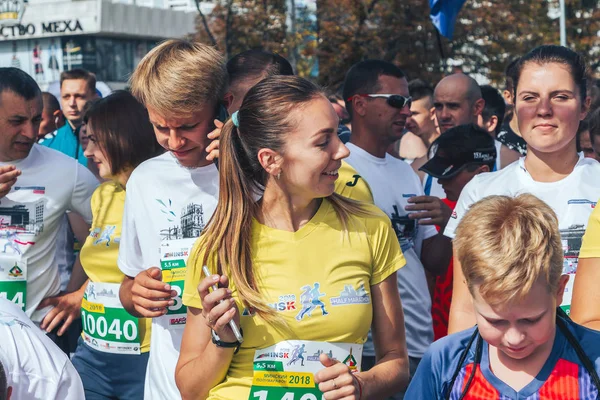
<point>563,24</point>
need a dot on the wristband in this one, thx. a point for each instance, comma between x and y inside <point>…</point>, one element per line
<point>359,385</point>
<point>229,345</point>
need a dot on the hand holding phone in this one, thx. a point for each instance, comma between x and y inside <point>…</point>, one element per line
<point>232,324</point>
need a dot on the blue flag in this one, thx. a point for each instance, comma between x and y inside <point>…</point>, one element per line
<point>443,15</point>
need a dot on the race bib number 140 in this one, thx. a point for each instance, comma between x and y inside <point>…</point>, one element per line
<point>286,371</point>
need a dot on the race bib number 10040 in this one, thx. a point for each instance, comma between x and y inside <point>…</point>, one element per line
<point>286,371</point>
<point>107,326</point>
<point>173,260</point>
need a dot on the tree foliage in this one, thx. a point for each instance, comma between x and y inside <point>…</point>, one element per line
<point>488,34</point>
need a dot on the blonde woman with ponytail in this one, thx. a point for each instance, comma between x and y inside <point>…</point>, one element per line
<point>303,271</point>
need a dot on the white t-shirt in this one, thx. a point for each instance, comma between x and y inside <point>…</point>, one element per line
<point>35,367</point>
<point>573,199</point>
<point>392,183</point>
<point>498,150</point>
<point>31,215</point>
<point>432,187</point>
<point>164,201</point>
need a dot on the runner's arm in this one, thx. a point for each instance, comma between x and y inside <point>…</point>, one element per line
<point>390,374</point>
<point>462,315</point>
<point>584,309</point>
<point>202,365</point>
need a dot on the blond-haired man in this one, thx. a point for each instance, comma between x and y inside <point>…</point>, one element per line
<point>171,197</point>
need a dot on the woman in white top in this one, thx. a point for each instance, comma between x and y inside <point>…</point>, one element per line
<point>550,101</point>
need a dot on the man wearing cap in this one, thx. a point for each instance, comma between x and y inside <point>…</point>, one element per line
<point>458,155</point>
<point>378,102</point>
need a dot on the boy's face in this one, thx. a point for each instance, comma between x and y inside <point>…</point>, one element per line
<point>522,329</point>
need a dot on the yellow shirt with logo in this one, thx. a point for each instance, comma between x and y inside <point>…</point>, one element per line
<point>308,276</point>
<point>590,247</point>
<point>101,248</point>
<point>350,184</point>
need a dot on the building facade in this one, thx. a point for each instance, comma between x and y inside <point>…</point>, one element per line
<point>106,37</point>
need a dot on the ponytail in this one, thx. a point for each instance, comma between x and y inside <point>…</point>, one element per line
<point>227,239</point>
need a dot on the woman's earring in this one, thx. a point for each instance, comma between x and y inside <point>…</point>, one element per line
<point>278,176</point>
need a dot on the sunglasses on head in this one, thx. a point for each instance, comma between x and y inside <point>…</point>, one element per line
<point>394,100</point>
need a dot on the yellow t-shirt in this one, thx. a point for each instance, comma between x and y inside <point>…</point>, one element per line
<point>590,247</point>
<point>316,265</point>
<point>101,248</point>
<point>350,184</point>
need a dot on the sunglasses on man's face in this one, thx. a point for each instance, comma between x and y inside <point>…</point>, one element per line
<point>394,100</point>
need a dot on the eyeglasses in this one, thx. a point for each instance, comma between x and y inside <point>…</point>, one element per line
<point>394,100</point>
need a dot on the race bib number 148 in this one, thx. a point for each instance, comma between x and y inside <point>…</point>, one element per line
<point>286,371</point>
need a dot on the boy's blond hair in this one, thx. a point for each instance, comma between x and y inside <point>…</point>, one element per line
<point>180,78</point>
<point>506,244</point>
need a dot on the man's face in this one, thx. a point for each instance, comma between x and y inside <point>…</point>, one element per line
<point>74,94</point>
<point>50,122</point>
<point>185,136</point>
<point>596,147</point>
<point>19,125</point>
<point>421,122</point>
<point>384,120</point>
<point>452,106</point>
<point>585,144</point>
<point>454,186</point>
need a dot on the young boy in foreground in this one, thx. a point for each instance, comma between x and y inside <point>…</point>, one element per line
<point>511,255</point>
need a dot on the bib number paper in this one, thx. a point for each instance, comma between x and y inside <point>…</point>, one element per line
<point>107,326</point>
<point>173,261</point>
<point>13,280</point>
<point>286,371</point>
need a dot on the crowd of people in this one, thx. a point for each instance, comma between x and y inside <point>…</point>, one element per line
<point>228,230</point>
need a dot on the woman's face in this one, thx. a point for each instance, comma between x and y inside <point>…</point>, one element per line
<point>313,152</point>
<point>95,154</point>
<point>548,106</point>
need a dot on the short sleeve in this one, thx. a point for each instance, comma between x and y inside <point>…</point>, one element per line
<point>351,185</point>
<point>193,276</point>
<point>467,197</point>
<point>130,260</point>
<point>387,255</point>
<point>590,247</point>
<point>85,185</point>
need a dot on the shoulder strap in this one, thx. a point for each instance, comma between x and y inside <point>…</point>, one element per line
<point>585,360</point>
<point>461,361</point>
<point>428,183</point>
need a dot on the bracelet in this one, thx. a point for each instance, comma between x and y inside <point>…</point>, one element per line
<point>219,343</point>
<point>359,385</point>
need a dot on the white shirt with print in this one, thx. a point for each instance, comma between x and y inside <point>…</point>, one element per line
<point>392,183</point>
<point>50,184</point>
<point>164,201</point>
<point>573,199</point>
<point>35,367</point>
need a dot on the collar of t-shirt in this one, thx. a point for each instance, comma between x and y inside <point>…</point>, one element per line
<point>24,162</point>
<point>522,168</point>
<point>534,386</point>
<point>360,152</point>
